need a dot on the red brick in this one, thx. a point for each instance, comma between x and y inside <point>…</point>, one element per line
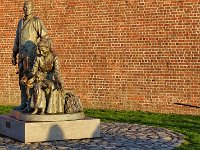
<point>116,54</point>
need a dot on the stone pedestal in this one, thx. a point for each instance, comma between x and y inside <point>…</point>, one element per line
<point>49,131</point>
<point>46,118</point>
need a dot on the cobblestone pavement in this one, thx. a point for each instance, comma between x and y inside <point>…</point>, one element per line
<point>114,136</point>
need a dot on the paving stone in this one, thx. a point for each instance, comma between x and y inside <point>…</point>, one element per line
<point>114,136</point>
<point>61,147</point>
<point>2,147</point>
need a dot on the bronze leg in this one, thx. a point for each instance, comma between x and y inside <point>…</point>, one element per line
<point>35,111</point>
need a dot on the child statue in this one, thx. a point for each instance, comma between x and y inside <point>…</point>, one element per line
<point>48,94</point>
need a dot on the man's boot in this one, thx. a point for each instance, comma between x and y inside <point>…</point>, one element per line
<point>20,107</point>
<point>23,104</point>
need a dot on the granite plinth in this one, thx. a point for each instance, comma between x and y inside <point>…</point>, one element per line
<point>28,132</point>
<point>39,118</point>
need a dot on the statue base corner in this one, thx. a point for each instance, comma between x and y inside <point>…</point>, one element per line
<point>41,131</point>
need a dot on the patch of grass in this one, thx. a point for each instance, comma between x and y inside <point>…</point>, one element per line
<point>185,124</point>
<point>5,109</point>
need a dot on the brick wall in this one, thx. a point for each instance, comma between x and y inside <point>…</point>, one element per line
<point>116,54</point>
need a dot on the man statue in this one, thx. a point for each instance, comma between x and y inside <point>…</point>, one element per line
<point>29,32</point>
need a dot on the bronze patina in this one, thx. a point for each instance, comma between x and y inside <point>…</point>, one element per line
<point>29,32</point>
<point>48,93</point>
<point>39,74</point>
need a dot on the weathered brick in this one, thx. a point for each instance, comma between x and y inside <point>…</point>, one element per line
<point>115,54</point>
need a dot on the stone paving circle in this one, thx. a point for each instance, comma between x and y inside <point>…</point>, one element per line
<point>114,136</point>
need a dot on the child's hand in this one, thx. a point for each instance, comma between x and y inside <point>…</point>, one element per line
<point>24,79</point>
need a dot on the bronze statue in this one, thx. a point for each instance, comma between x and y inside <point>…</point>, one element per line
<point>29,32</point>
<point>48,94</point>
<point>39,76</point>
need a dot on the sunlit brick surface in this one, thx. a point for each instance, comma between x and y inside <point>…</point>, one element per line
<point>116,54</point>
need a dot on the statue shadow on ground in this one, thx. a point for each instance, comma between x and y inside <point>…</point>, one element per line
<point>56,133</point>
